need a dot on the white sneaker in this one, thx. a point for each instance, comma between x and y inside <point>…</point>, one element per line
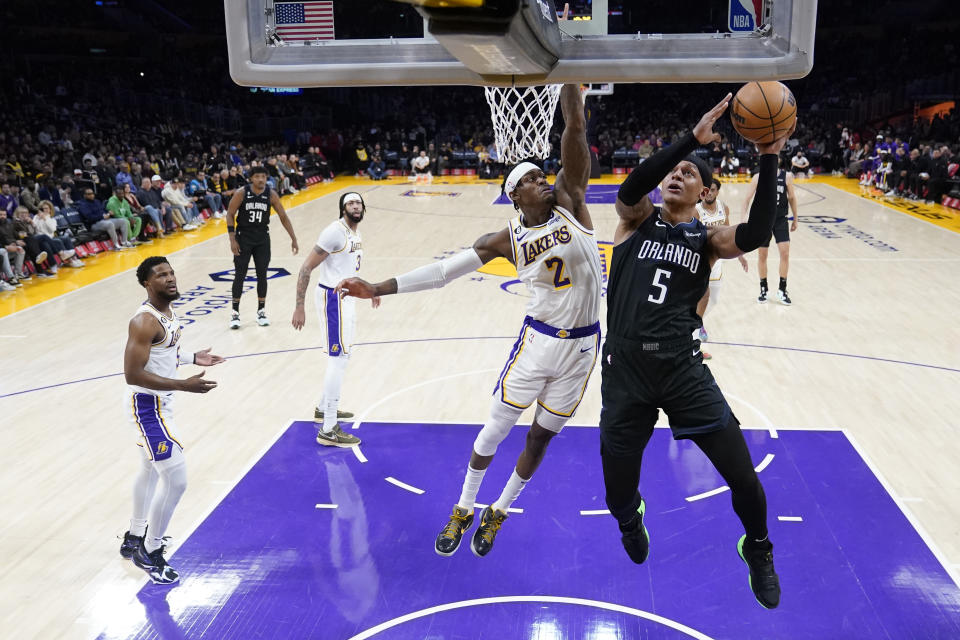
<point>66,254</point>
<point>189,227</point>
<point>41,257</point>
<point>235,320</point>
<point>262,319</point>
<point>6,286</point>
<point>76,264</point>
<point>218,215</point>
<point>892,192</point>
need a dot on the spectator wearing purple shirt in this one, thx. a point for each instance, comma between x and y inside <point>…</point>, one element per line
<point>8,201</point>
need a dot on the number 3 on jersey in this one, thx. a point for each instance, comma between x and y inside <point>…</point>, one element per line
<point>556,265</point>
<point>659,282</point>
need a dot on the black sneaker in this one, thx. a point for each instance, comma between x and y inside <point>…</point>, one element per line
<point>490,521</point>
<point>129,544</point>
<point>762,298</point>
<point>341,415</point>
<point>155,565</point>
<point>783,297</point>
<point>635,539</point>
<point>763,579</point>
<point>449,539</point>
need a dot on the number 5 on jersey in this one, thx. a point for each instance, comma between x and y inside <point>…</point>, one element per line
<point>659,279</point>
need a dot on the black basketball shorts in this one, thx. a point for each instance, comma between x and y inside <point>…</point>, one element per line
<point>781,230</point>
<point>637,381</point>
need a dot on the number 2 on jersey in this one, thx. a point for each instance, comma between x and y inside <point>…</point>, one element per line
<point>556,265</point>
<point>661,286</point>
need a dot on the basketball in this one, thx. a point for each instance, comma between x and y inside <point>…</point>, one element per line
<point>763,111</point>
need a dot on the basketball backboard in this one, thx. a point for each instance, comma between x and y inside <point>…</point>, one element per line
<point>319,43</point>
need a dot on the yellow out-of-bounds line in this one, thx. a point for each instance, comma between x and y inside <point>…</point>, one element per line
<point>111,263</point>
<point>937,214</point>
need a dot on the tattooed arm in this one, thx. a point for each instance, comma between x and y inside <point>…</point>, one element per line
<point>314,258</point>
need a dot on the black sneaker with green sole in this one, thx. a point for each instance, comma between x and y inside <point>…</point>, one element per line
<point>634,536</point>
<point>763,579</point>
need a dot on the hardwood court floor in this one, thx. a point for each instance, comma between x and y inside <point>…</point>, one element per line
<point>871,346</point>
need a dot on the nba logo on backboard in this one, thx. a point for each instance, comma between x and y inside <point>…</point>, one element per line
<point>743,14</point>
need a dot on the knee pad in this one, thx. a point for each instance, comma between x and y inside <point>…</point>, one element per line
<point>495,429</point>
<point>550,421</point>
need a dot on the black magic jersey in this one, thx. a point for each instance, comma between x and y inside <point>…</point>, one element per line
<point>656,279</point>
<point>253,216</point>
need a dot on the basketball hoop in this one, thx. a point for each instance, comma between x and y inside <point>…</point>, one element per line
<point>522,119</point>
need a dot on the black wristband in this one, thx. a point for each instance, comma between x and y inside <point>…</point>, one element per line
<point>230,229</point>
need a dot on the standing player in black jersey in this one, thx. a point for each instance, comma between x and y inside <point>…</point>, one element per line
<point>785,195</point>
<point>250,207</point>
<point>660,269</point>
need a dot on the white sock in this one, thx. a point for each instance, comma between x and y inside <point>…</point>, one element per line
<point>332,382</point>
<point>510,492</point>
<point>143,490</point>
<point>471,486</point>
<point>174,484</point>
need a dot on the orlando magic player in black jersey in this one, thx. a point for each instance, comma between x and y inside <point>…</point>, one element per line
<point>250,207</point>
<point>660,269</point>
<point>786,195</point>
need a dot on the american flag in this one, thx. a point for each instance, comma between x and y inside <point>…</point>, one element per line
<point>304,20</point>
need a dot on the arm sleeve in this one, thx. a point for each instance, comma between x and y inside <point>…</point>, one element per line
<point>437,274</point>
<point>332,239</point>
<point>758,227</point>
<point>651,171</point>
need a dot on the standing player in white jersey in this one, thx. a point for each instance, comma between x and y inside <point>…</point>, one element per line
<point>552,245</point>
<point>712,212</point>
<point>338,253</point>
<point>150,364</point>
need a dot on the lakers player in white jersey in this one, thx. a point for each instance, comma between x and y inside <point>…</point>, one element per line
<point>552,245</point>
<point>338,253</point>
<point>712,212</point>
<point>150,363</point>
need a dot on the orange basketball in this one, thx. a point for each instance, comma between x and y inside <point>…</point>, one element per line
<point>763,111</point>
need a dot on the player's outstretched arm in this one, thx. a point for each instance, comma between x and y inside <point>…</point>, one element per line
<point>313,260</point>
<point>571,185</point>
<point>284,220</point>
<point>730,242</point>
<point>141,332</point>
<point>633,205</point>
<point>436,274</point>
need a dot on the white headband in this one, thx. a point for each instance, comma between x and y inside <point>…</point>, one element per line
<point>518,172</point>
<point>352,197</point>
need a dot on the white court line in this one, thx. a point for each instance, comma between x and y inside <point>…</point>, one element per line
<point>767,459</point>
<point>404,485</point>
<point>951,569</point>
<point>326,506</point>
<point>707,494</point>
<point>13,337</point>
<point>594,512</point>
<point>763,418</point>
<point>609,606</point>
<point>789,518</point>
<point>363,416</point>
<point>358,453</point>
<point>509,509</point>
<point>886,208</point>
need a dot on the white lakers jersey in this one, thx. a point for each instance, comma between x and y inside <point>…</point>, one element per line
<point>560,264</point>
<point>163,353</point>
<point>712,218</point>
<point>345,249</point>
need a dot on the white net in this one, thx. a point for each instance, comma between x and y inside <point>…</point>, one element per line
<point>522,119</point>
